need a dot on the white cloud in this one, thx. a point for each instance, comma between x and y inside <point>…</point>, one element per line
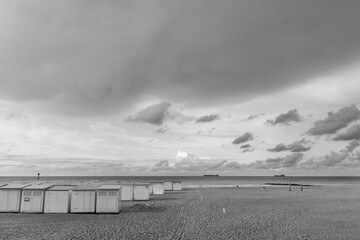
<point>188,162</point>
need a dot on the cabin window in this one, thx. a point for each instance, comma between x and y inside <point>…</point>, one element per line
<point>36,193</point>
<point>27,193</point>
<point>112,194</point>
<point>102,193</point>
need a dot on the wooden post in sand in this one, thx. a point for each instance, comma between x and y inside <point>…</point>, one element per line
<point>301,186</point>
<point>223,210</point>
<point>289,185</point>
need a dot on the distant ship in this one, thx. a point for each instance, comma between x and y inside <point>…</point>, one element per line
<point>210,175</point>
<point>280,175</point>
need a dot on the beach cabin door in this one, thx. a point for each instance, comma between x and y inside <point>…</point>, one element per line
<point>107,201</point>
<point>9,200</point>
<point>158,188</point>
<point>101,201</point>
<point>89,201</point>
<point>112,201</point>
<point>56,201</point>
<point>141,192</point>
<point>83,201</point>
<point>168,186</point>
<point>137,192</point>
<point>32,201</point>
<point>177,186</point>
<point>77,201</point>
<point>127,192</point>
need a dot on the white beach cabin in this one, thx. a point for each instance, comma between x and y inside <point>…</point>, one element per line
<point>57,199</point>
<point>177,185</point>
<point>168,186</point>
<point>108,199</point>
<point>32,198</point>
<point>141,191</point>
<point>10,196</point>
<point>83,199</point>
<point>127,192</point>
<point>157,188</point>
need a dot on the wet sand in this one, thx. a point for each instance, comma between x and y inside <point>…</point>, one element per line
<point>250,213</point>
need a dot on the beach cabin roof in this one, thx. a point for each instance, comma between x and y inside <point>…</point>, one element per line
<point>85,188</point>
<point>142,184</point>
<point>37,182</point>
<point>14,186</point>
<point>109,187</point>
<point>127,184</point>
<point>177,181</point>
<point>61,188</point>
<point>38,187</point>
<point>157,182</point>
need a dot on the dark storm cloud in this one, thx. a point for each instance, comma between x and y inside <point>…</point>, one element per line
<point>208,118</point>
<point>87,57</point>
<point>154,114</point>
<point>285,118</point>
<point>335,121</point>
<point>297,146</point>
<point>350,134</point>
<point>244,138</point>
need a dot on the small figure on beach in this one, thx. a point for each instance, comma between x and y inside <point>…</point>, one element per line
<point>263,188</point>
<point>38,176</point>
<point>237,186</point>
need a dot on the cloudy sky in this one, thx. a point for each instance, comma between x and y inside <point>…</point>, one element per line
<point>180,87</point>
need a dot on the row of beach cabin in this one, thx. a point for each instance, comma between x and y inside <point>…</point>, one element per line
<point>46,198</point>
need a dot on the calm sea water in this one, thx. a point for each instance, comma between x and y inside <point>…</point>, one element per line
<point>189,181</point>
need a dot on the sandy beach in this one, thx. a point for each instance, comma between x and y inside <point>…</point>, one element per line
<point>250,213</point>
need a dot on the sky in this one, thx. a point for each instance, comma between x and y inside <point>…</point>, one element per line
<point>179,87</point>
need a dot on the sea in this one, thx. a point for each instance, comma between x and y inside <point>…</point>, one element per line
<point>197,181</point>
